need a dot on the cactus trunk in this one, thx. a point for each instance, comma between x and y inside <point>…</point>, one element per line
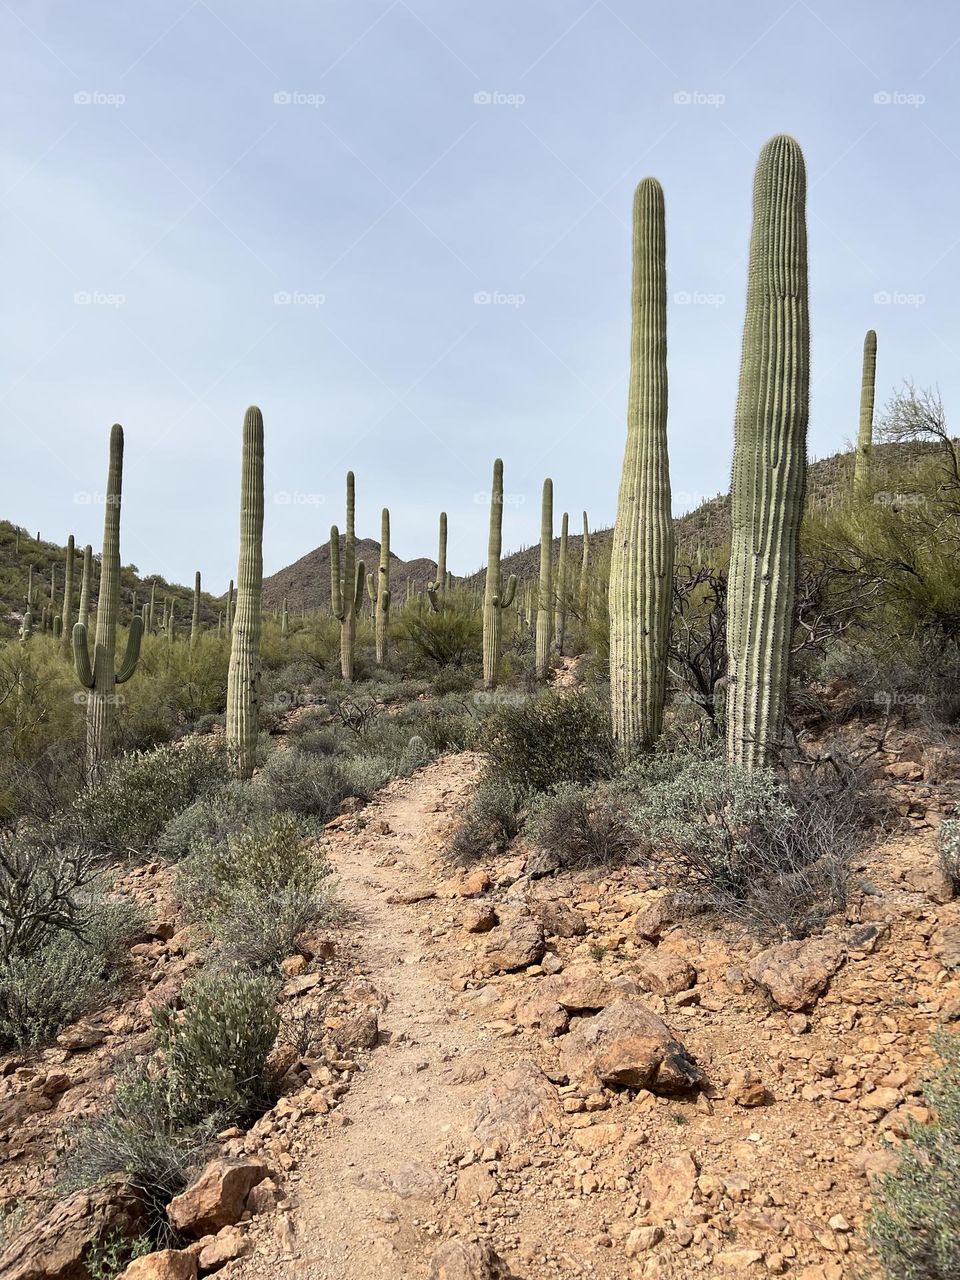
<point>243,676</point>
<point>195,620</point>
<point>379,592</point>
<point>545,594</point>
<point>561,632</point>
<point>769,461</point>
<point>641,565</point>
<point>66,621</point>
<point>584,593</point>
<point>868,387</point>
<point>494,598</point>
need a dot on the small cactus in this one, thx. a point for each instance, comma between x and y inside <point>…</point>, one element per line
<point>495,600</point>
<point>243,675</point>
<point>284,620</point>
<point>346,596</point>
<point>379,592</point>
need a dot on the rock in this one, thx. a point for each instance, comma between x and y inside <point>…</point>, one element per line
<point>541,862</point>
<point>651,922</point>
<point>82,1036</point>
<point>301,985</point>
<point>931,880</point>
<point>946,946</point>
<point>474,884</point>
<point>459,1259</point>
<point>54,1247</point>
<point>517,943</point>
<point>641,1239</point>
<point>216,1198</point>
<point>560,920</point>
<point>664,973</point>
<point>746,1089</point>
<point>540,1010</point>
<point>407,897</point>
<point>479,918</point>
<point>669,1185</point>
<point>523,1104</point>
<point>362,1031</point>
<point>476,1183</point>
<point>796,974</point>
<point>582,989</point>
<point>264,1197</point>
<point>168,1264</point>
<point>628,1045</point>
<point>227,1244</point>
<point>293,966</point>
<point>737,1259</point>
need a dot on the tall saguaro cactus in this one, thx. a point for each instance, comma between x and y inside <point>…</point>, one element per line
<point>379,592</point>
<point>86,582</point>
<point>641,561</point>
<point>495,599</point>
<point>545,596</point>
<point>584,593</point>
<point>195,620</point>
<point>561,625</point>
<point>152,607</point>
<point>243,673</point>
<point>868,389</point>
<point>66,619</point>
<point>440,585</point>
<point>346,596</point>
<point>769,459</point>
<point>101,678</point>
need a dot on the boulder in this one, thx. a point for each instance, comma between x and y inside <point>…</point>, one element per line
<point>515,944</point>
<point>523,1104</point>
<point>227,1244</point>
<point>54,1246</point>
<point>460,1259</point>
<point>653,920</point>
<point>583,989</point>
<point>216,1198</point>
<point>669,1185</point>
<point>362,1031</point>
<point>628,1045</point>
<point>167,1264</point>
<point>796,974</point>
<point>479,917</point>
<point>665,973</point>
<point>560,920</point>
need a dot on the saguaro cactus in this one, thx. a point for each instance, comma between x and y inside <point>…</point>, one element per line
<point>584,593</point>
<point>769,459</point>
<point>379,591</point>
<point>171,615</point>
<point>243,673</point>
<point>284,620</point>
<point>561,624</point>
<point>66,619</point>
<point>101,678</point>
<point>230,609</point>
<point>494,599</point>
<point>441,583</point>
<point>641,564</point>
<point>152,607</point>
<point>545,596</point>
<point>346,596</point>
<point>868,387</point>
<point>195,620</point>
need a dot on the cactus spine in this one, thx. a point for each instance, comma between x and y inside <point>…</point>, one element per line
<point>379,591</point>
<point>769,459</point>
<point>101,678</point>
<point>494,599</point>
<point>346,596</point>
<point>641,565</point>
<point>868,387</point>
<point>243,674</point>
<point>562,584</point>
<point>545,595</point>
<point>195,620</point>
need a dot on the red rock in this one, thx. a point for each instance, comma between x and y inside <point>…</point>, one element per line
<point>796,974</point>
<point>515,944</point>
<point>460,1259</point>
<point>216,1198</point>
<point>56,1244</point>
<point>664,973</point>
<point>167,1264</point>
<point>628,1045</point>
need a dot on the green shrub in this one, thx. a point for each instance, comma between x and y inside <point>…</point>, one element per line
<point>213,818</point>
<point>127,811</point>
<point>453,680</point>
<point>493,821</point>
<point>914,1226</point>
<point>304,784</point>
<point>557,736</point>
<point>108,1257</point>
<point>451,638</point>
<point>257,890</point>
<point>948,847</point>
<point>582,826</point>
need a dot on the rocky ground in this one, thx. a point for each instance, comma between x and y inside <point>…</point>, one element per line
<point>550,1078</point>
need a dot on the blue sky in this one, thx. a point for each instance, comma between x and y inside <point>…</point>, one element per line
<point>208,204</point>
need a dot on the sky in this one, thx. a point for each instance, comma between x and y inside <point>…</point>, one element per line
<point>402,228</point>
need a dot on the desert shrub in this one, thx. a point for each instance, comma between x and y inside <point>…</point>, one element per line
<point>364,775</point>
<point>536,743</point>
<point>948,849</point>
<point>451,638</point>
<point>914,1225</point>
<point>763,852</point>
<point>305,784</point>
<point>127,810</point>
<point>215,1051</point>
<point>414,756</point>
<point>453,680</point>
<point>445,724</point>
<point>494,819</point>
<point>582,826</point>
<point>214,817</point>
<point>258,889</point>
<point>42,883</point>
<point>68,971</point>
<point>312,732</point>
<point>109,1256</point>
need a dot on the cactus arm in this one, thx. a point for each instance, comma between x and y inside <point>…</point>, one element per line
<point>132,656</point>
<point>506,600</point>
<point>371,588</point>
<point>81,655</point>
<point>361,576</point>
<point>336,589</point>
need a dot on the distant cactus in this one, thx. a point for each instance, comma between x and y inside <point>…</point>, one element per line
<point>868,386</point>
<point>379,592</point>
<point>584,594</point>
<point>152,608</point>
<point>230,610</point>
<point>439,585</point>
<point>100,677</point>
<point>545,595</point>
<point>769,460</point>
<point>346,596</point>
<point>495,600</point>
<point>641,565</point>
<point>561,586</point>
<point>243,675</point>
<point>195,620</point>
<point>284,620</point>
<point>171,615</point>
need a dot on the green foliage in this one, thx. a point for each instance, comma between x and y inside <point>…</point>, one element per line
<point>305,784</point>
<point>534,743</point>
<point>451,638</point>
<point>256,888</point>
<point>582,826</point>
<point>213,818</point>
<point>108,1257</point>
<point>493,821</point>
<point>914,1226</point>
